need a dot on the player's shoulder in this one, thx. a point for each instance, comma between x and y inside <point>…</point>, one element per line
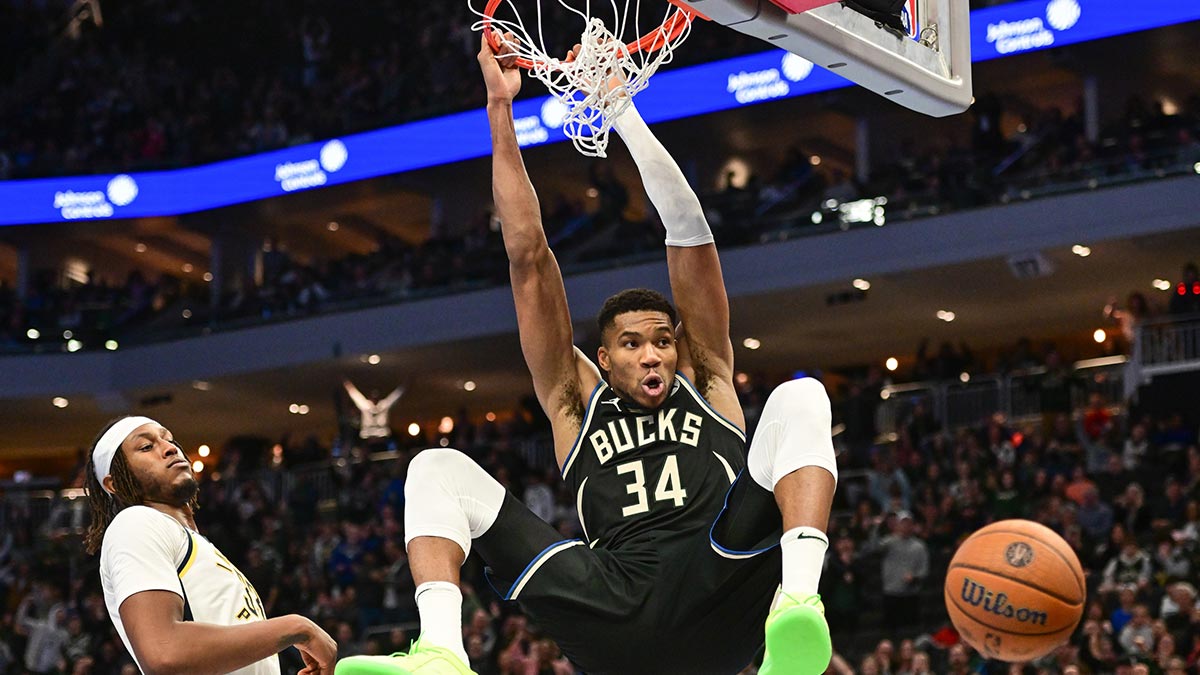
<point>138,523</point>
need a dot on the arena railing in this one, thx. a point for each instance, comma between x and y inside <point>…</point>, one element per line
<point>1164,346</point>
<point>1016,395</point>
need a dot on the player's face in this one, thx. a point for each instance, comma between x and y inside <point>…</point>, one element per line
<point>159,465</point>
<point>639,355</point>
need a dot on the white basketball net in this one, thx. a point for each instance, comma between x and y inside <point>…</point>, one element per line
<point>598,85</point>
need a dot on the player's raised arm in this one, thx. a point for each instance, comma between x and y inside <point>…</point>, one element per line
<point>562,377</point>
<point>696,282</point>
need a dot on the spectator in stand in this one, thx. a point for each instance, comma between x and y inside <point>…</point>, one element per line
<point>842,586</point>
<point>1131,568</point>
<point>1132,511</point>
<point>1095,516</point>
<point>1136,447</point>
<point>46,635</point>
<point>905,564</point>
<point>1136,310</point>
<point>1137,637</point>
<point>374,429</point>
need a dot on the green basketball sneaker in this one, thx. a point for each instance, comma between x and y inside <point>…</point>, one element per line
<point>797,637</point>
<point>419,660</point>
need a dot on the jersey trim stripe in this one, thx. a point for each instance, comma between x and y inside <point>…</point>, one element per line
<point>579,508</point>
<point>687,384</point>
<point>536,564</point>
<point>728,552</point>
<point>188,558</point>
<point>587,419</point>
<point>728,469</point>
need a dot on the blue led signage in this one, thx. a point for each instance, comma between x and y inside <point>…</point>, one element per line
<point>995,32</point>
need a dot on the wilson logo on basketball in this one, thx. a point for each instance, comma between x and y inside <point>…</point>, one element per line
<point>978,595</point>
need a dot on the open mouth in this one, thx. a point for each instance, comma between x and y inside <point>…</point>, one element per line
<point>653,385</point>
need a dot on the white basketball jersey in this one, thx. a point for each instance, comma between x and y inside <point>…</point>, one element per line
<point>147,550</point>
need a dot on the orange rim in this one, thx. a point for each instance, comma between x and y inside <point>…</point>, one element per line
<point>675,23</point>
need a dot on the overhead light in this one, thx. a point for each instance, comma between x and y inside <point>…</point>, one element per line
<point>491,416</point>
<point>1161,284</point>
<point>741,379</point>
<point>946,315</point>
<point>187,268</point>
<point>862,284</point>
<point>469,385</point>
<point>60,402</point>
<point>204,451</point>
<point>1099,336</point>
<point>303,410</point>
<point>111,345</point>
<point>201,385</point>
<point>414,429</point>
<point>67,335</point>
<point>373,359</point>
<point>444,442</point>
<point>964,377</point>
<point>140,248</point>
<point>885,394</point>
<point>817,217</point>
<point>208,276</point>
<point>1196,167</point>
<point>333,226</point>
<point>815,160</point>
<point>751,343</point>
<point>74,345</point>
<point>34,333</point>
<point>187,314</point>
<point>592,193</point>
<point>294,408</point>
<point>892,364</point>
<point>1081,250</point>
<point>197,466</point>
<point>446,425</point>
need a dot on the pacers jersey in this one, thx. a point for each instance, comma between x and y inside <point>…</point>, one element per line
<point>145,549</point>
<point>635,471</point>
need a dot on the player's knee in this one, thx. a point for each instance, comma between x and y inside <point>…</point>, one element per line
<point>806,396</point>
<point>436,462</point>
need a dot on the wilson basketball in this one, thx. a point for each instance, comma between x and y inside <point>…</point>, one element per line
<point>1015,590</point>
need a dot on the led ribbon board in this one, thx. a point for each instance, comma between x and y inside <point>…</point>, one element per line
<point>1006,30</point>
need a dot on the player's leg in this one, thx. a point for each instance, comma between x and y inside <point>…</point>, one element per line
<point>792,456</point>
<point>449,501</point>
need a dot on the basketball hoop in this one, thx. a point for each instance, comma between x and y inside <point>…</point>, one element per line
<point>598,84</point>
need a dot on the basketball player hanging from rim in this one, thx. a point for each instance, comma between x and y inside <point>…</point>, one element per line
<point>684,550</point>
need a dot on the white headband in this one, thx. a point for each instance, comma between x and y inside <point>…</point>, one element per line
<point>110,443</point>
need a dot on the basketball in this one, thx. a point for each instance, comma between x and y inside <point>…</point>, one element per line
<point>1015,590</point>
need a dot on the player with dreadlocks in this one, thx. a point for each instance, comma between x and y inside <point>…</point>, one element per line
<point>179,605</point>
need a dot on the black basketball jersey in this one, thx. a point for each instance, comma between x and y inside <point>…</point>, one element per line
<point>635,471</point>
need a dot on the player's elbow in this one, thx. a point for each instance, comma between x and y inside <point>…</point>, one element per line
<point>528,254</point>
<point>160,662</point>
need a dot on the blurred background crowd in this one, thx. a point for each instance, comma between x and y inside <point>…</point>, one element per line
<point>319,529</point>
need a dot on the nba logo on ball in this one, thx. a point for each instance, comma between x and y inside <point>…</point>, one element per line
<point>1015,590</point>
<point>1018,554</point>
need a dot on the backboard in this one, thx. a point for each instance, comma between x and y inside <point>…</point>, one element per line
<point>928,71</point>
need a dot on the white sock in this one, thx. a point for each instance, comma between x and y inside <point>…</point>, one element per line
<point>440,605</point>
<point>803,557</point>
